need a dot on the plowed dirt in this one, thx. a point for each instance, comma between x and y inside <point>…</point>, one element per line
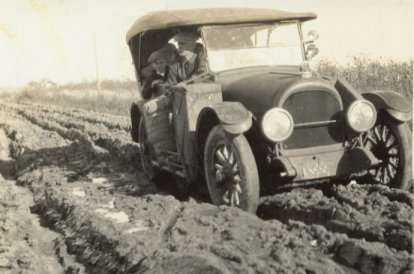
<point>73,200</point>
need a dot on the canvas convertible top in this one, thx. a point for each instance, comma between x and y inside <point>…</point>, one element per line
<point>175,18</point>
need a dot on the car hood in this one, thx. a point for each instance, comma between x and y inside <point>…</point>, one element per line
<point>260,90</point>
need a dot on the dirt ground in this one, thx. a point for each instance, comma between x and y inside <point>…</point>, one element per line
<point>73,200</point>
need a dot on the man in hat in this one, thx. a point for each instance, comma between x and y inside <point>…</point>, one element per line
<point>159,74</point>
<point>191,60</point>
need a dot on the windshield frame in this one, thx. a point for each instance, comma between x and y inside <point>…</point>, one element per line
<point>299,29</point>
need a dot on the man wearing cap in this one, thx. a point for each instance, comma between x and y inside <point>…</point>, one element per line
<point>159,74</point>
<point>190,62</point>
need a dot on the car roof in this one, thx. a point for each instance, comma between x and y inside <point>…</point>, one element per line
<point>209,16</point>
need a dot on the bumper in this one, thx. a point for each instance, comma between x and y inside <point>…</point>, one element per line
<point>309,164</point>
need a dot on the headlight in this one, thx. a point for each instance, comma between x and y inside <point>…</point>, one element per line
<point>361,115</point>
<point>277,124</point>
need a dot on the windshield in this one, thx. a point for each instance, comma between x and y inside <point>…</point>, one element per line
<point>247,45</point>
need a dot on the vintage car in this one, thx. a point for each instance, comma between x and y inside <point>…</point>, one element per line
<point>259,119</point>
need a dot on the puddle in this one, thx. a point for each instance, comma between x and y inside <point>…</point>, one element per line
<point>118,217</point>
<point>99,180</point>
<point>110,204</point>
<point>102,181</point>
<point>138,227</point>
<point>77,191</point>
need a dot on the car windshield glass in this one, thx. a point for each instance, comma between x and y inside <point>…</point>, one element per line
<point>247,45</point>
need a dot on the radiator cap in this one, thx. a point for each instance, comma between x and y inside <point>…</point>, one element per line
<point>305,70</point>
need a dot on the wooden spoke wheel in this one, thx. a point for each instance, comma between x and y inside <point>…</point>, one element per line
<point>390,142</point>
<point>231,171</point>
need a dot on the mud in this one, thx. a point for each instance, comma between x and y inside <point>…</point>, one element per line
<point>25,245</point>
<point>81,172</point>
<point>360,211</point>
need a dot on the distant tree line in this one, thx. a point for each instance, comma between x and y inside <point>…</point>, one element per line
<point>364,73</point>
<point>107,84</point>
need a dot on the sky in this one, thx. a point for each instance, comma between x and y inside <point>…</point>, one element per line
<point>55,39</point>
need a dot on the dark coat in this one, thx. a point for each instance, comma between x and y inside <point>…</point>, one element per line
<point>183,69</point>
<point>147,90</point>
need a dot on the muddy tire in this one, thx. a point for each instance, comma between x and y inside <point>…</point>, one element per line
<point>390,142</point>
<point>231,171</point>
<point>146,153</point>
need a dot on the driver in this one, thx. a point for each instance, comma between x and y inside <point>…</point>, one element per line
<point>191,60</point>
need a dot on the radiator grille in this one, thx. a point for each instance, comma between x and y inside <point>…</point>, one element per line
<point>308,109</point>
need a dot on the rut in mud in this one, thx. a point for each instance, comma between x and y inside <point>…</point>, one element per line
<point>25,245</point>
<point>83,172</point>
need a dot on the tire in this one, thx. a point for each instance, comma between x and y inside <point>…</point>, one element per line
<point>135,114</point>
<point>231,170</point>
<point>389,141</point>
<point>146,153</point>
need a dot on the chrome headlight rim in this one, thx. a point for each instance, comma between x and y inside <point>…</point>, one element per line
<point>266,117</point>
<point>352,107</point>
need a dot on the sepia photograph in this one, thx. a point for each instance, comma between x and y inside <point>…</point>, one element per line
<point>188,137</point>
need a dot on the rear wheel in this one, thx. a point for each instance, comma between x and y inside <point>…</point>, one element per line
<point>390,142</point>
<point>231,171</point>
<point>147,155</point>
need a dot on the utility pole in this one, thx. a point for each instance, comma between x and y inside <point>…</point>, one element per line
<point>98,82</point>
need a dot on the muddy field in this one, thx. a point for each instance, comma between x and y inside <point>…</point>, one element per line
<point>73,200</point>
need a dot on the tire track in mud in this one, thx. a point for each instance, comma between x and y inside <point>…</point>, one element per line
<point>113,223</point>
<point>25,245</point>
<point>76,159</point>
<point>108,120</point>
<point>115,141</point>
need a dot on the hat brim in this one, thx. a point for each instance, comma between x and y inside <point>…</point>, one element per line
<point>158,55</point>
<point>186,37</point>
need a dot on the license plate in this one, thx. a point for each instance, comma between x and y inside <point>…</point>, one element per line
<point>316,168</point>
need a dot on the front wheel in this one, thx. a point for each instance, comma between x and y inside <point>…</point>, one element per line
<point>390,142</point>
<point>231,171</point>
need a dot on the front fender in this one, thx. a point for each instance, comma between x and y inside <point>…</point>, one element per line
<point>233,116</point>
<point>396,105</point>
<point>136,113</point>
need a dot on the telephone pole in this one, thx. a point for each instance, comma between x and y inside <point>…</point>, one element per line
<point>98,82</point>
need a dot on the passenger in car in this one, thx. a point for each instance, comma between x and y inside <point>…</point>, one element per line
<point>181,64</point>
<point>159,74</point>
<point>191,60</point>
<point>171,57</point>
